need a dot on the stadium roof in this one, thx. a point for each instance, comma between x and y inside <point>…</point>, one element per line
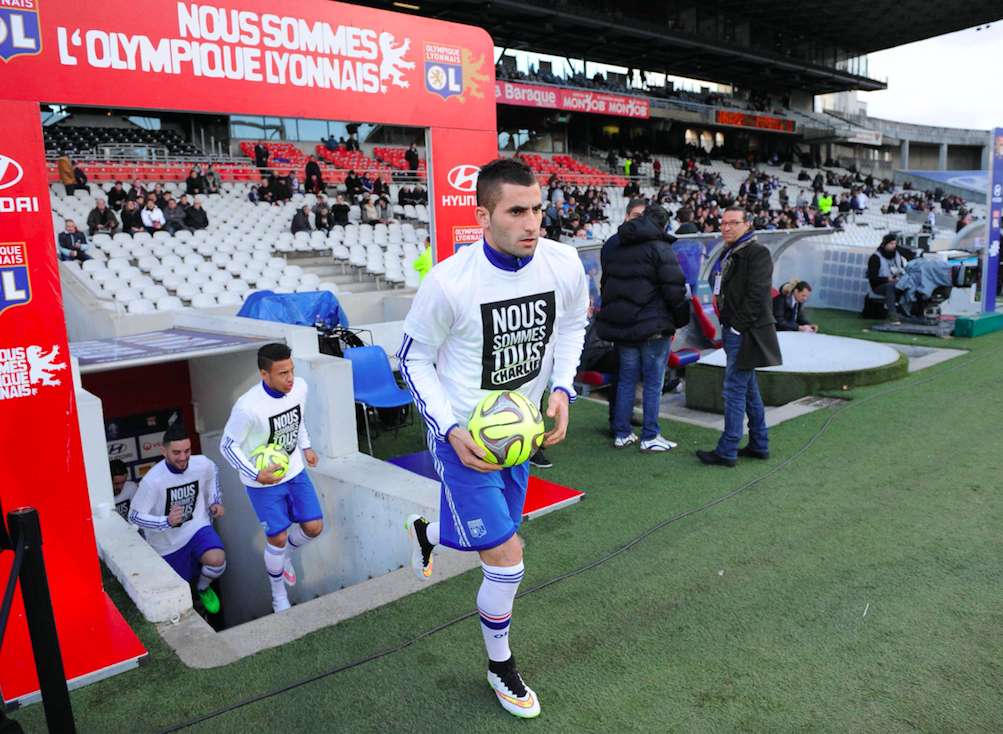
<point>767,44</point>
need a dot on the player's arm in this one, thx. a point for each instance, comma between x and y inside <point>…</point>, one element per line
<point>569,338</point>
<point>303,439</point>
<point>140,510</point>
<point>214,495</point>
<point>425,329</point>
<point>234,433</point>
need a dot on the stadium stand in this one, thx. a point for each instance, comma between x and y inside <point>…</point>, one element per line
<point>352,160</point>
<point>570,170</point>
<point>131,169</point>
<point>394,157</point>
<point>246,247</point>
<point>77,140</point>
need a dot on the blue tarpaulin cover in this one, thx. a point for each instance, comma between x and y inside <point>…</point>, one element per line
<point>304,309</point>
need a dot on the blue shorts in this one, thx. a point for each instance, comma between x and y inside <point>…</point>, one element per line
<point>477,511</point>
<point>187,560</point>
<point>280,505</point>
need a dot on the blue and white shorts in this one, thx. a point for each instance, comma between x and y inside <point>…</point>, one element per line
<point>187,560</point>
<point>280,505</point>
<point>477,511</point>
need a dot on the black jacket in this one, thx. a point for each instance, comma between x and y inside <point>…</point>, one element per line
<point>788,317</point>
<point>643,287</point>
<point>301,222</point>
<point>196,218</point>
<point>874,264</point>
<point>745,304</point>
<point>97,219</point>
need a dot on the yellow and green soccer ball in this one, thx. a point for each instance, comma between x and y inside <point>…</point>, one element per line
<point>271,453</point>
<point>507,426</point>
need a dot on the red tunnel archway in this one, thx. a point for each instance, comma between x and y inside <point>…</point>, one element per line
<point>303,58</point>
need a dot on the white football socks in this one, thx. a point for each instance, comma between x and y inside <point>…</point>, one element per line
<point>297,538</point>
<point>432,533</point>
<point>209,574</point>
<point>494,603</point>
<point>275,559</point>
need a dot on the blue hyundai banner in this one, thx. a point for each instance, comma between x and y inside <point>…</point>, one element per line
<point>994,199</point>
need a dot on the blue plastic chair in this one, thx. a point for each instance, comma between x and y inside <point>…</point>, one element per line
<point>374,384</point>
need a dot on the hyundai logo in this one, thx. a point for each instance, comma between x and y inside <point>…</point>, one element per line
<point>463,178</point>
<point>11,172</point>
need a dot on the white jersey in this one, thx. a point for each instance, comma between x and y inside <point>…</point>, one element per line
<point>263,416</point>
<point>124,498</point>
<point>482,322</point>
<point>196,489</point>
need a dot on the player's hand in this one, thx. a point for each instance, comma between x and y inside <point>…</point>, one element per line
<point>469,453</point>
<point>311,457</point>
<point>216,510</point>
<point>267,475</point>
<point>557,408</point>
<point>175,516</point>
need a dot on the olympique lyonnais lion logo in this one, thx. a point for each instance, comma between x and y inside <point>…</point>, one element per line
<point>393,64</point>
<point>40,366</point>
<point>473,77</point>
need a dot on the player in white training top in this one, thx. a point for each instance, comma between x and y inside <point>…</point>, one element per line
<point>507,313</point>
<point>287,507</point>
<point>175,505</point>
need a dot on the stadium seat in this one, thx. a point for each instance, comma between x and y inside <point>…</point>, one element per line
<point>169,303</point>
<point>374,384</point>
<point>203,300</point>
<point>125,294</point>
<point>140,305</point>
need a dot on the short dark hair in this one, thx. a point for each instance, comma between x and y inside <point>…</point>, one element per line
<point>685,214</point>
<point>802,285</point>
<point>657,214</point>
<point>636,202</point>
<point>272,353</point>
<point>890,237</point>
<point>175,432</point>
<point>745,214</point>
<point>117,468</point>
<point>497,172</point>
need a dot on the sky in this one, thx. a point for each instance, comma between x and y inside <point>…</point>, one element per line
<point>952,80</point>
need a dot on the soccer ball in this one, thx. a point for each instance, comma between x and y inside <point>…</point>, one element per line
<point>270,453</point>
<point>507,426</point>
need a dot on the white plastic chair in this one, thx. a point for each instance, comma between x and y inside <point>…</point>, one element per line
<point>141,305</point>
<point>169,303</point>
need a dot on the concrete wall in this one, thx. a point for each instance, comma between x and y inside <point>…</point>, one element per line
<point>217,381</point>
<point>365,503</point>
<point>924,157</point>
<point>964,158</point>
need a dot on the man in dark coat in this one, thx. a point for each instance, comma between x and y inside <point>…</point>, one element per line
<point>643,303</point>
<point>788,307</point>
<point>301,220</point>
<point>312,169</point>
<point>412,158</point>
<point>749,337</point>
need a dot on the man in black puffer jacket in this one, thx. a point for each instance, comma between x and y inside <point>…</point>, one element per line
<point>643,303</point>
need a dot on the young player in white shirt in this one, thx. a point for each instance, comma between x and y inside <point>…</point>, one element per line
<point>287,506</point>
<point>508,313</point>
<point>123,487</point>
<point>175,504</point>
